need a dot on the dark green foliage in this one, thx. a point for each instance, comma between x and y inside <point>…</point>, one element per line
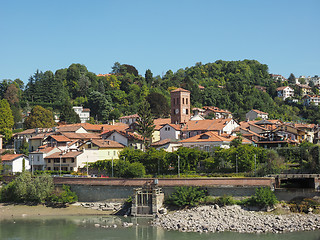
<point>63,196</point>
<point>67,114</point>
<point>145,125</point>
<point>121,168</point>
<point>158,104</point>
<point>26,188</point>
<point>186,196</point>
<point>38,189</point>
<point>99,105</point>
<point>264,197</point>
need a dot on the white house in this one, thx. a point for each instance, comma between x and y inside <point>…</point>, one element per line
<point>308,99</point>
<point>210,140</point>
<point>170,131</point>
<point>37,157</point>
<point>285,92</point>
<point>84,113</point>
<point>127,139</point>
<point>15,163</point>
<point>254,114</point>
<point>129,119</point>
<point>167,144</point>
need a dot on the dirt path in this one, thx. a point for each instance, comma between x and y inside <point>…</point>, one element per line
<point>10,211</point>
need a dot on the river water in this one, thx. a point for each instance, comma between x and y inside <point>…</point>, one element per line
<point>103,228</point>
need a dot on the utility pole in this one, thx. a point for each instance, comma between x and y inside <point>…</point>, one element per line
<point>178,166</point>
<point>255,164</point>
<point>236,163</point>
<point>112,167</point>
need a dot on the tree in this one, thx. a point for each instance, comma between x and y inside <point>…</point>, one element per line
<point>6,120</point>
<point>292,79</point>
<point>158,104</point>
<point>149,77</point>
<point>67,114</point>
<point>145,125</point>
<point>39,118</point>
<point>99,105</point>
<point>11,94</point>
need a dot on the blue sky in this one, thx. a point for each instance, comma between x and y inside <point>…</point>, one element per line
<point>157,35</point>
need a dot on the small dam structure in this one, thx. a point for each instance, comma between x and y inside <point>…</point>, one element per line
<point>147,200</point>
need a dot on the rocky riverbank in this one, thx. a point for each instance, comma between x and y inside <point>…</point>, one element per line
<point>235,219</point>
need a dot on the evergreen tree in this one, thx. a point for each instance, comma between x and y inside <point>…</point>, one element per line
<point>145,125</point>
<point>67,114</point>
<point>292,79</point>
<point>6,120</point>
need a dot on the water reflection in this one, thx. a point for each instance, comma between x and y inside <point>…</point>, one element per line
<point>113,227</point>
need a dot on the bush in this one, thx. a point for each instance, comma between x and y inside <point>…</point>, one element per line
<point>26,188</point>
<point>63,196</point>
<point>225,200</point>
<point>186,196</point>
<point>264,197</point>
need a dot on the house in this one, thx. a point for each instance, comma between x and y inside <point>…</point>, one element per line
<point>62,161</point>
<point>285,92</point>
<point>84,113</point>
<point>159,123</point>
<point>37,158</point>
<point>127,139</point>
<point>100,149</point>
<point>278,77</point>
<point>167,144</point>
<point>253,114</point>
<point>311,99</point>
<point>305,89</point>
<point>14,163</point>
<point>193,128</point>
<point>216,112</point>
<point>129,119</point>
<point>261,88</point>
<point>209,141</point>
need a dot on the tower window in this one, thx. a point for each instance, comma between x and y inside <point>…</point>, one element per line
<point>187,111</point>
<point>182,100</point>
<point>174,101</point>
<point>186,100</point>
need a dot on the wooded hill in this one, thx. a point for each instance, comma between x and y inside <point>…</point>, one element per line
<point>228,85</point>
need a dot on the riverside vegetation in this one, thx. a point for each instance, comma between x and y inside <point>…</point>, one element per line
<point>36,190</point>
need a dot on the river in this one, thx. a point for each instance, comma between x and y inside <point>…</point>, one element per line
<point>103,228</point>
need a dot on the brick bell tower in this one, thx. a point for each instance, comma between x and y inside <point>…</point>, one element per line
<point>180,106</point>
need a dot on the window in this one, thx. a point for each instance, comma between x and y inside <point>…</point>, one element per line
<point>182,100</point>
<point>187,111</point>
<point>174,101</point>
<point>113,138</point>
<point>72,160</point>
<point>49,168</point>
<point>64,160</point>
<point>49,161</point>
<point>186,100</point>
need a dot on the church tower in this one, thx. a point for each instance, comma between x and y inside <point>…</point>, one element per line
<point>180,106</point>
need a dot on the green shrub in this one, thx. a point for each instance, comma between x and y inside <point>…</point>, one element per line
<point>186,196</point>
<point>225,200</point>
<point>264,197</point>
<point>25,188</point>
<point>63,196</point>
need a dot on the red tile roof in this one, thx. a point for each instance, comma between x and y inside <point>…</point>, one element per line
<point>60,138</point>
<point>66,155</point>
<point>130,116</point>
<point>159,122</point>
<point>103,143</point>
<point>10,157</point>
<point>211,137</point>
